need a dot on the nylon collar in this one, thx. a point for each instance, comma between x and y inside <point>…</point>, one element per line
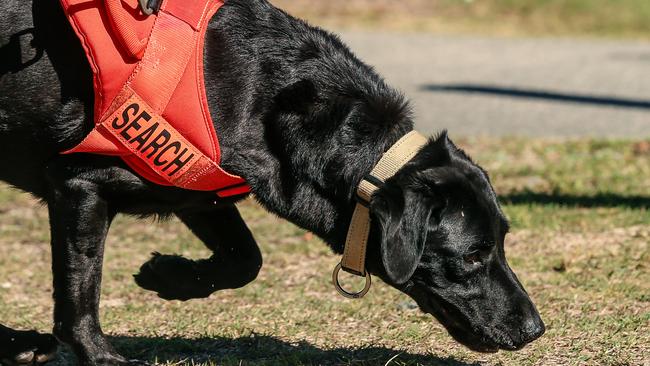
<point>354,255</point>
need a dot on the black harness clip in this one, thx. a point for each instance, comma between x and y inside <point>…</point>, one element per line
<point>149,7</point>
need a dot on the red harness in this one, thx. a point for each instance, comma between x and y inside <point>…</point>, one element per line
<point>150,103</point>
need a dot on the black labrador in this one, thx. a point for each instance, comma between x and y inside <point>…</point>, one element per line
<point>302,120</point>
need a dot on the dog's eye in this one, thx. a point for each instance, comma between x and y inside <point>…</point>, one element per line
<point>472,258</point>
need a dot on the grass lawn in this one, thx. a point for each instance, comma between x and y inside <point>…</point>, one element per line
<point>617,18</point>
<point>580,212</point>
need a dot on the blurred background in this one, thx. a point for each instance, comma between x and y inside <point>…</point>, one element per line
<point>505,67</point>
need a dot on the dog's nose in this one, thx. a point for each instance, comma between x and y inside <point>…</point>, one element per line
<point>532,328</point>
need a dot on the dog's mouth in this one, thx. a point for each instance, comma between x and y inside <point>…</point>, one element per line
<point>459,326</point>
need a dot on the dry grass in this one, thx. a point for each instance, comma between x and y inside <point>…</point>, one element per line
<point>629,18</point>
<point>585,264</point>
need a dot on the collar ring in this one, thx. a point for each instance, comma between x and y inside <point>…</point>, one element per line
<point>345,293</point>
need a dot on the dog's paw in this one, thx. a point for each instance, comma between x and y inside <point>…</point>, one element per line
<point>173,277</point>
<point>27,348</point>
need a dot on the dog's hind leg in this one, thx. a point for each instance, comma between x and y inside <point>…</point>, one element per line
<point>26,347</point>
<point>236,261</point>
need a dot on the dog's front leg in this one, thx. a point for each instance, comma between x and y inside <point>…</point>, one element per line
<point>236,261</point>
<point>79,221</point>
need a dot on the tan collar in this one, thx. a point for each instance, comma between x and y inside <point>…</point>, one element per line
<point>354,255</point>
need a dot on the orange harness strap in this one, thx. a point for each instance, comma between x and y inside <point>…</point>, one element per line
<point>125,33</point>
<point>150,102</point>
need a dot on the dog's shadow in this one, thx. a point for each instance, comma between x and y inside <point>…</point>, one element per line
<point>259,350</point>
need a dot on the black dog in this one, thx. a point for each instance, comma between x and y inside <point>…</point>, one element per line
<point>302,120</point>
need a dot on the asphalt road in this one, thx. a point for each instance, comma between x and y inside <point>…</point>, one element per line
<point>529,87</point>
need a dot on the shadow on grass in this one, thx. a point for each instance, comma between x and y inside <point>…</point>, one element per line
<point>599,200</point>
<point>263,350</point>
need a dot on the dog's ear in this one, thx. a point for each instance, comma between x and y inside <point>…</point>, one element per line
<point>296,97</point>
<point>402,216</point>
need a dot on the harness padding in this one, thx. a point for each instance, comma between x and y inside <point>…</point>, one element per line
<point>151,108</point>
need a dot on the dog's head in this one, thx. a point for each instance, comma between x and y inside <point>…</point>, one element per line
<point>440,234</point>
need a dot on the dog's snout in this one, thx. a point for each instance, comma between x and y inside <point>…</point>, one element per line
<point>533,328</point>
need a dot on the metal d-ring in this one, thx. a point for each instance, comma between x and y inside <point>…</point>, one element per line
<point>350,295</point>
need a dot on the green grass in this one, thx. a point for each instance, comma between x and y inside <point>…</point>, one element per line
<point>576,186</point>
<point>580,244</point>
<point>619,18</point>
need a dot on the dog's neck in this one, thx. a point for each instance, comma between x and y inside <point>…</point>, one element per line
<point>298,116</point>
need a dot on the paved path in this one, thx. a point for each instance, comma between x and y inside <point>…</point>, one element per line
<point>531,87</point>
